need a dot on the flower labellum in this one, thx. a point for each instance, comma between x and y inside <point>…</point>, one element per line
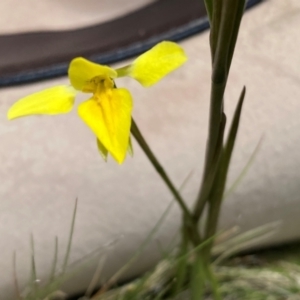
<point>108,111</point>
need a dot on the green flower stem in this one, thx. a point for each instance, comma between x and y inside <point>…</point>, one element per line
<point>215,26</point>
<point>227,17</point>
<point>201,274</point>
<point>231,15</point>
<point>191,225</point>
<point>215,200</point>
<point>198,277</point>
<point>216,195</point>
<point>158,167</point>
<point>209,9</point>
<point>214,284</point>
<point>182,263</point>
<point>213,147</point>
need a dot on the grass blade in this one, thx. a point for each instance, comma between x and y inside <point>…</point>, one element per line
<point>245,170</point>
<point>52,273</point>
<point>66,259</point>
<point>15,277</point>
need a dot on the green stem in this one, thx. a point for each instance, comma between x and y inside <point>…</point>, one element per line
<point>215,26</point>
<point>182,264</point>
<point>214,283</point>
<point>199,277</point>
<point>213,147</point>
<point>209,9</point>
<point>227,17</point>
<point>214,210</point>
<point>158,167</point>
<point>216,195</point>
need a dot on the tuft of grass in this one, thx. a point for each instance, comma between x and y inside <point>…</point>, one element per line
<point>271,275</point>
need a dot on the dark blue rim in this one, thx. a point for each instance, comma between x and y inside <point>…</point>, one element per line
<point>177,34</point>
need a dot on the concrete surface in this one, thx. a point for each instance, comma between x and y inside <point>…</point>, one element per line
<point>47,162</point>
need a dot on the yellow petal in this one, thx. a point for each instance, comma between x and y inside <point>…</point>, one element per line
<point>82,71</point>
<point>156,63</point>
<point>52,101</point>
<point>104,153</point>
<point>109,117</point>
<point>102,150</point>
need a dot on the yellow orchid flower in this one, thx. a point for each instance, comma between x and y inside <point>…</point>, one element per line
<point>108,112</point>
